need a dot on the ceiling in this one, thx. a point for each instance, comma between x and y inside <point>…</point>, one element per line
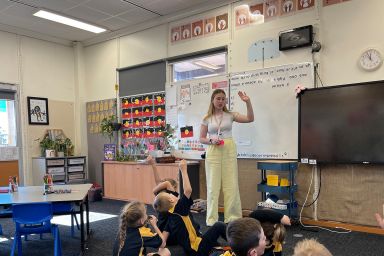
<point>117,16</point>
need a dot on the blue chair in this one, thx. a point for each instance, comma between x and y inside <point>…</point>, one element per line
<point>34,218</point>
<point>61,208</point>
<point>6,212</point>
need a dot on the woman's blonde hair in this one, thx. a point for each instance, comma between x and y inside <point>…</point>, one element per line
<point>211,108</point>
<point>130,218</point>
<point>310,247</point>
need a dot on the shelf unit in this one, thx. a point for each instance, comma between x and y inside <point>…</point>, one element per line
<point>64,170</point>
<point>287,191</point>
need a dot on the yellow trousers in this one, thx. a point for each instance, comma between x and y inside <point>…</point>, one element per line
<point>221,169</point>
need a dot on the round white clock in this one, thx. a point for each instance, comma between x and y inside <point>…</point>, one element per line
<point>370,59</point>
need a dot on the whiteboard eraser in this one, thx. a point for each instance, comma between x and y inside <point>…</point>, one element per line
<point>304,160</point>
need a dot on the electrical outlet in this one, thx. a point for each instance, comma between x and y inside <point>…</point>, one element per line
<point>304,160</point>
<point>312,161</point>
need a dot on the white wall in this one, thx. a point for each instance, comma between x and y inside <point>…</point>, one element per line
<point>9,72</point>
<point>41,69</point>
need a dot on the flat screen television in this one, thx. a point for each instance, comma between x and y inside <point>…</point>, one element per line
<point>295,38</point>
<point>342,124</point>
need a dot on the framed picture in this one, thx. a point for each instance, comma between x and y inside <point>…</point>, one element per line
<point>38,111</point>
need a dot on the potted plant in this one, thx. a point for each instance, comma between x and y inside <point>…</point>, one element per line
<point>63,147</point>
<point>169,139</point>
<point>109,125</point>
<point>47,147</point>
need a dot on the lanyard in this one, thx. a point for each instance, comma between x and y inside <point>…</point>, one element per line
<point>219,123</point>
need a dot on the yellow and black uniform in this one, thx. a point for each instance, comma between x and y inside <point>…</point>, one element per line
<point>182,226</point>
<point>266,215</point>
<point>162,218</point>
<point>136,240</point>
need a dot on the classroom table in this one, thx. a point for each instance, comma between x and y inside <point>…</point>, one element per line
<point>34,194</point>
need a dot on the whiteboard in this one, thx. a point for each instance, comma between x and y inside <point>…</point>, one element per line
<point>192,101</point>
<point>274,133</point>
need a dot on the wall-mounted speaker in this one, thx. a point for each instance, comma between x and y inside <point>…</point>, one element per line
<point>295,38</point>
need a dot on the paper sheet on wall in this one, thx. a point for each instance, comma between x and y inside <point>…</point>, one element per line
<point>9,153</point>
<point>171,117</point>
<point>171,99</point>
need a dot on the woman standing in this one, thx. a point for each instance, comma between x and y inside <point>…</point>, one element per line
<point>221,156</point>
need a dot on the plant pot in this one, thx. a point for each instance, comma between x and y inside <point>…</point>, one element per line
<point>60,154</point>
<point>50,153</point>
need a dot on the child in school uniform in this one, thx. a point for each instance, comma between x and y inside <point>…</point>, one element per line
<point>181,225</point>
<point>309,247</point>
<point>273,225</point>
<point>133,237</point>
<point>245,237</point>
<point>169,186</point>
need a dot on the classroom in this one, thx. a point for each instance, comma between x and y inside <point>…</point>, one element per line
<point>80,112</point>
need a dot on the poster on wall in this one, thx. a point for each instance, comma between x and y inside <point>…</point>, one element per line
<point>287,7</point>
<point>209,26</point>
<point>305,4</point>
<point>185,31</point>
<point>175,34</point>
<point>271,8</point>
<point>38,111</point>
<point>197,28</point>
<point>222,22</point>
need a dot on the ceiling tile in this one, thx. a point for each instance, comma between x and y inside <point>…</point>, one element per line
<point>55,5</point>
<point>137,15</point>
<point>113,23</point>
<point>21,11</point>
<point>86,14</point>
<point>4,4</point>
<point>79,1</point>
<point>112,7</point>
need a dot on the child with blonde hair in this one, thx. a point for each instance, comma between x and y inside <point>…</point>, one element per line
<point>180,223</point>
<point>133,236</point>
<point>310,247</point>
<point>273,225</point>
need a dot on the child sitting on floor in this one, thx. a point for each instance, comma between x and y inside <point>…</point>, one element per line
<point>181,225</point>
<point>133,236</point>
<point>245,237</point>
<point>309,247</point>
<point>273,225</point>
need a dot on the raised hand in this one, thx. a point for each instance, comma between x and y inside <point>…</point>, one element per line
<point>150,160</point>
<point>243,96</point>
<point>183,165</point>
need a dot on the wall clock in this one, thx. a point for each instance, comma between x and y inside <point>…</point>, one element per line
<point>370,59</point>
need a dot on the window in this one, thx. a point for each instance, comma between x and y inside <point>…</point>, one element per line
<point>199,67</point>
<point>8,129</point>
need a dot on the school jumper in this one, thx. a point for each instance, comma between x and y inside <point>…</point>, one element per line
<point>185,230</point>
<point>136,240</point>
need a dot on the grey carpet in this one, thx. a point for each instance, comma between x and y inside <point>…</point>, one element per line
<point>104,232</point>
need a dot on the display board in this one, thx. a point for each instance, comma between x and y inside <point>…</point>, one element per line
<point>274,133</point>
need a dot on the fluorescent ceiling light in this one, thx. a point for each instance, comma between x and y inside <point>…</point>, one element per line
<point>68,21</point>
<point>207,65</point>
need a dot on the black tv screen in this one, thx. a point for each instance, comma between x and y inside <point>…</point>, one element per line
<point>343,124</point>
<point>295,38</point>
